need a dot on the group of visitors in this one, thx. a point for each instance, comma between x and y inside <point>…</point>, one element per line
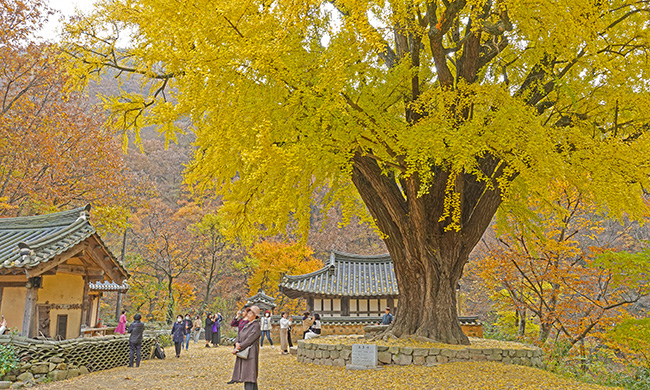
<point>250,329</point>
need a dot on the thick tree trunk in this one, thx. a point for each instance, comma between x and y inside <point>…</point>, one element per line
<point>428,255</point>
<point>427,303</point>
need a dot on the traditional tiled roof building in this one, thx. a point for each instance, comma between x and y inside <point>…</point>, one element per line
<point>47,265</point>
<point>263,301</point>
<point>354,290</point>
<point>349,285</point>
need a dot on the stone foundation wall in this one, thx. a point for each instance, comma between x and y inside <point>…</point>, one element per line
<point>339,355</point>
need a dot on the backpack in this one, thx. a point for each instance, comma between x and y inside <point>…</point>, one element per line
<point>159,352</point>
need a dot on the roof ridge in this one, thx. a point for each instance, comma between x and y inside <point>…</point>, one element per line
<point>298,277</point>
<point>46,240</point>
<point>60,218</point>
<point>330,264</point>
<point>381,257</point>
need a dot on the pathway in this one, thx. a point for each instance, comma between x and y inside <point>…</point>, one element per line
<point>210,368</point>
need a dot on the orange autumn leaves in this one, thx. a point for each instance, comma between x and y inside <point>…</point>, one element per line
<point>268,261</point>
<point>550,267</point>
<point>53,150</point>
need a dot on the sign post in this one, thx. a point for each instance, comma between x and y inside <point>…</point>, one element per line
<point>364,357</point>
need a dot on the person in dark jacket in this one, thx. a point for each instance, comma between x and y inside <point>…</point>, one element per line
<point>216,330</point>
<point>208,330</point>
<point>178,333</point>
<point>136,329</point>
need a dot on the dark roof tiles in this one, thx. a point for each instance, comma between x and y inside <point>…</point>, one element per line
<point>346,275</point>
<point>261,297</point>
<point>26,242</point>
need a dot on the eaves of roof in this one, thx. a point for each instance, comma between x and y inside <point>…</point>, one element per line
<point>346,275</point>
<point>26,242</point>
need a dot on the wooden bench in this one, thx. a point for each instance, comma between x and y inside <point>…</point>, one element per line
<point>103,331</point>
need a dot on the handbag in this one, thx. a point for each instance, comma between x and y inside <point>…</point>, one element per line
<point>243,354</point>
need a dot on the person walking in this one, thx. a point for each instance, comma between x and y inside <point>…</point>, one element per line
<point>266,326</point>
<point>246,370</point>
<point>196,329</point>
<point>136,329</point>
<point>216,330</point>
<point>208,330</point>
<point>121,325</point>
<point>285,323</point>
<point>188,330</point>
<point>178,333</point>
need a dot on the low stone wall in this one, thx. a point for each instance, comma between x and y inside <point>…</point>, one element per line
<point>339,355</point>
<point>39,360</point>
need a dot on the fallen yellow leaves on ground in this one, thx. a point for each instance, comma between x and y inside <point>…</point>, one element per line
<point>475,343</point>
<point>211,368</point>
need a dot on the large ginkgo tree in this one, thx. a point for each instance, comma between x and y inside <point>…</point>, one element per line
<point>426,115</point>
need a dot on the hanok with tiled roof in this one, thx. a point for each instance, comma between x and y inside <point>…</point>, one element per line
<point>261,300</point>
<point>47,263</point>
<point>349,285</point>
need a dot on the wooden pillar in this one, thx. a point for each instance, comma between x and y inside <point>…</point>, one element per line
<point>85,303</point>
<point>99,304</point>
<point>118,306</point>
<point>310,304</point>
<point>31,296</point>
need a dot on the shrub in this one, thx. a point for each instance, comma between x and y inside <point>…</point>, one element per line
<point>8,360</point>
<point>165,340</point>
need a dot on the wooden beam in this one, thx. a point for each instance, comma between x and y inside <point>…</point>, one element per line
<point>31,297</point>
<point>12,284</point>
<point>13,278</point>
<point>58,259</point>
<point>71,269</point>
<point>107,264</point>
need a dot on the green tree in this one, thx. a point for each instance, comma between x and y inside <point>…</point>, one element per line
<point>429,113</point>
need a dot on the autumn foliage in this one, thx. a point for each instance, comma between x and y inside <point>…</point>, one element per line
<point>268,261</point>
<point>54,151</point>
<point>562,268</point>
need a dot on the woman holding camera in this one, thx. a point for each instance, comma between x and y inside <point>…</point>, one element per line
<point>246,370</point>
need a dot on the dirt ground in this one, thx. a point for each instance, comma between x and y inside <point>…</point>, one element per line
<point>211,368</point>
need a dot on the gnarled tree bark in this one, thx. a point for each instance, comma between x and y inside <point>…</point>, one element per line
<point>428,258</point>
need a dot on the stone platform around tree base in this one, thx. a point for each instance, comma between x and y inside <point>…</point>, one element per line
<point>339,355</point>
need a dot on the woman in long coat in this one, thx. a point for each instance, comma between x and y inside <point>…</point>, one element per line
<point>216,330</point>
<point>249,336</point>
<point>208,330</point>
